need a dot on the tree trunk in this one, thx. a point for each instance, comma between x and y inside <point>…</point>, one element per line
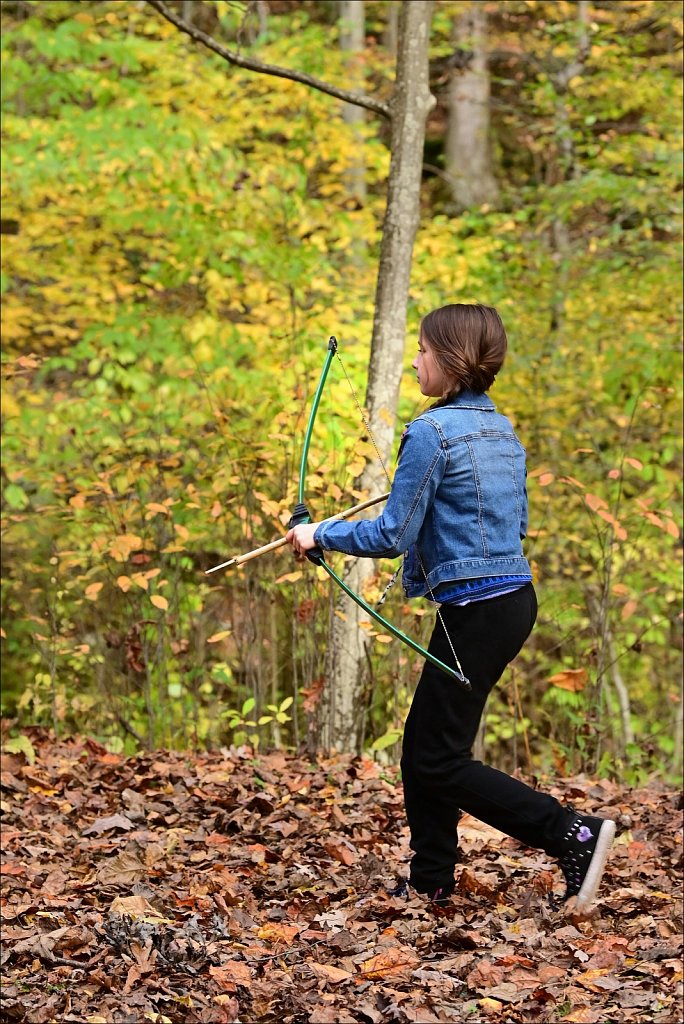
<point>352,39</point>
<point>391,31</point>
<point>676,762</point>
<point>468,147</point>
<point>188,10</point>
<point>567,168</point>
<point>347,659</point>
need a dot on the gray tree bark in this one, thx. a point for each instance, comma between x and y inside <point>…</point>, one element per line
<point>391,31</point>
<point>352,39</point>
<point>347,659</point>
<point>468,155</point>
<point>568,167</point>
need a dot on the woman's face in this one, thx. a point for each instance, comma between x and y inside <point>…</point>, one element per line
<point>430,376</point>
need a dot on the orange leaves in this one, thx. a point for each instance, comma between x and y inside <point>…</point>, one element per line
<point>543,476</point>
<point>663,520</point>
<point>312,695</point>
<point>367,627</point>
<point>573,482</point>
<point>634,463</point>
<point>619,530</point>
<point>622,512</point>
<point>21,365</point>
<point>276,510</point>
<point>305,610</point>
<point>572,679</point>
<point>470,882</point>
<point>585,1015</point>
<point>341,850</point>
<point>290,577</point>
<point>595,503</point>
<point>141,579</point>
<point>156,508</point>
<point>486,975</point>
<point>279,933</point>
<point>394,961</point>
<point>599,979</point>
<point>182,534</point>
<point>221,635</point>
<point>124,545</point>
<point>135,907</point>
<point>329,973</point>
<point>382,638</point>
<point>600,507</point>
<point>231,975</point>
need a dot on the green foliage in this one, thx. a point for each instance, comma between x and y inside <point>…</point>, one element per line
<point>184,252</point>
<point>20,745</point>
<point>388,739</point>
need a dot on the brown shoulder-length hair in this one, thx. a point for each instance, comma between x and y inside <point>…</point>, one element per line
<point>469,345</point>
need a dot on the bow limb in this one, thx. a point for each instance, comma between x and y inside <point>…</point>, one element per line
<point>332,349</point>
<point>413,644</point>
<point>315,555</point>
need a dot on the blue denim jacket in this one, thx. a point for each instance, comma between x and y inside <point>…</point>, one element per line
<point>458,502</point>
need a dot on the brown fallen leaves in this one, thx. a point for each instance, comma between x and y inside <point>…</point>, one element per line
<point>228,887</point>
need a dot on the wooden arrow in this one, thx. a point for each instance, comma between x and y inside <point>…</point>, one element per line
<point>347,514</point>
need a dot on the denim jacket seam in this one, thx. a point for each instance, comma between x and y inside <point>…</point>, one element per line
<point>452,441</point>
<point>416,501</point>
<point>518,508</point>
<point>480,505</point>
<point>438,428</point>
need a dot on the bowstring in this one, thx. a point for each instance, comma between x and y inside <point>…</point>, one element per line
<point>395,575</point>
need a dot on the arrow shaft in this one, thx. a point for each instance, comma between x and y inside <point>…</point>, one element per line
<point>346,514</point>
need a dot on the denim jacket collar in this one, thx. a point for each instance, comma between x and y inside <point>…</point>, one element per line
<point>467,400</point>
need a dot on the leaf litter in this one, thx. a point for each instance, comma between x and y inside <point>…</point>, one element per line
<point>222,887</point>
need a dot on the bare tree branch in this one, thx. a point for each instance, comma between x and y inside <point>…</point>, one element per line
<point>251,64</point>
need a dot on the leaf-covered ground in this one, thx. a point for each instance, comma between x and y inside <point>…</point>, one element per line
<point>224,887</point>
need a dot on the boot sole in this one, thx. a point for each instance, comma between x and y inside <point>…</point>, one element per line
<point>598,863</point>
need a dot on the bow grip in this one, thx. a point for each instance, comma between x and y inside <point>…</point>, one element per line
<point>301,515</point>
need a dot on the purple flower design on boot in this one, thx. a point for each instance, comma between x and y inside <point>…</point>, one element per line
<point>584,834</point>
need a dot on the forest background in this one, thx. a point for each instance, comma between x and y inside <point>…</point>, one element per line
<point>180,240</point>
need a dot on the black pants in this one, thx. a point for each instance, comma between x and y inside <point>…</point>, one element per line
<point>439,775</point>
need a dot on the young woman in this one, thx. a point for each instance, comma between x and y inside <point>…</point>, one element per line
<point>458,511</point>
